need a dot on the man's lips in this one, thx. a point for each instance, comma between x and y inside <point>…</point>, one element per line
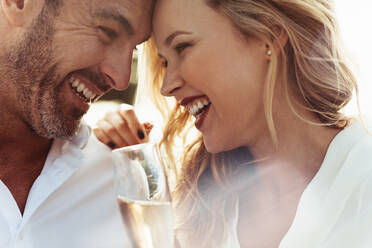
<point>84,88</point>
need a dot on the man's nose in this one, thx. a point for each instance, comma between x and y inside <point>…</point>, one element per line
<point>117,66</point>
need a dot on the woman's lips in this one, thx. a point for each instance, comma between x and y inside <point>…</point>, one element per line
<point>200,119</point>
<point>197,106</point>
<point>187,100</point>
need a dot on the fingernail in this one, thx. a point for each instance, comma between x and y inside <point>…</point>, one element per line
<point>111,145</point>
<point>140,134</point>
<point>148,126</point>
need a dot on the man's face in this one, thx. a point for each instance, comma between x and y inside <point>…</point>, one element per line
<point>70,56</point>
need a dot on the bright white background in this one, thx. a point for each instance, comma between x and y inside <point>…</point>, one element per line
<point>355,18</point>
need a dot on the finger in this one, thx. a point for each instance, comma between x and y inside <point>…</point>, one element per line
<point>122,128</point>
<point>102,137</point>
<point>133,123</point>
<point>111,138</point>
<point>148,127</point>
<point>111,133</point>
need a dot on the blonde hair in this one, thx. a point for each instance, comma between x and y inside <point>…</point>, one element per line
<point>316,78</point>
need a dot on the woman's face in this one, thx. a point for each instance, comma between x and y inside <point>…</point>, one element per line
<point>213,70</point>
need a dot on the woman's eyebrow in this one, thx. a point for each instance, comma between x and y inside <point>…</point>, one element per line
<point>173,35</point>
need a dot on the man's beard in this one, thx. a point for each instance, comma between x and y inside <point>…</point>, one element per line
<point>35,77</point>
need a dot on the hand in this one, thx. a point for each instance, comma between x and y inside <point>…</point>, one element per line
<point>122,128</point>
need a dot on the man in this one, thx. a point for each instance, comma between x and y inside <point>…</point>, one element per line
<point>57,56</point>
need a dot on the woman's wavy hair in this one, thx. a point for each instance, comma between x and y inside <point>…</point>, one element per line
<point>316,78</point>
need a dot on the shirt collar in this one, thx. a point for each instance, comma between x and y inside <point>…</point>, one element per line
<point>81,137</point>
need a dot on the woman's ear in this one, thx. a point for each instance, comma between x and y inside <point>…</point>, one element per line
<point>281,40</point>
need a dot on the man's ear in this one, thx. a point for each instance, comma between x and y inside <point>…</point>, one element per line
<point>17,11</point>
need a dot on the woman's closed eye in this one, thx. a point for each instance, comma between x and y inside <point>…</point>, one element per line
<point>180,47</point>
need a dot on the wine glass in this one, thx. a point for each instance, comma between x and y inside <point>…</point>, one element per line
<point>143,196</point>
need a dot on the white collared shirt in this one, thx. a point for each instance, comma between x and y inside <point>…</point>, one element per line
<point>71,204</point>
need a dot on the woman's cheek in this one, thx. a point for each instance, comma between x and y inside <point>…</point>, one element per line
<point>198,68</point>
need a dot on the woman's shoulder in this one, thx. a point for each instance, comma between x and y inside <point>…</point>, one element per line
<point>347,167</point>
<point>350,149</point>
<point>355,138</point>
<point>356,169</point>
<point>359,137</point>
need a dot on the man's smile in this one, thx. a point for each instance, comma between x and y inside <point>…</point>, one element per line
<point>86,86</point>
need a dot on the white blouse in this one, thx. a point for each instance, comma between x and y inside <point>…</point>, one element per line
<point>335,210</point>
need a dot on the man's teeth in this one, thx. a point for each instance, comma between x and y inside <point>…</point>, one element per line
<point>197,106</point>
<point>80,87</point>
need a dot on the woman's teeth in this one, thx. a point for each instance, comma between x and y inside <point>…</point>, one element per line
<point>198,106</point>
<point>81,90</point>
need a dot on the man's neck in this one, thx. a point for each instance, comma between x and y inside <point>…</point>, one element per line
<point>17,134</point>
<point>22,157</point>
<point>26,144</point>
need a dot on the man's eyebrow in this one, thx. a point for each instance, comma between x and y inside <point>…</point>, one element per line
<point>170,38</point>
<point>113,15</point>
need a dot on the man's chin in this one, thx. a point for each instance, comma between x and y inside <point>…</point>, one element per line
<point>59,114</point>
<point>59,127</point>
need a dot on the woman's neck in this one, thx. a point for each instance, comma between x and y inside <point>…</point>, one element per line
<point>300,152</point>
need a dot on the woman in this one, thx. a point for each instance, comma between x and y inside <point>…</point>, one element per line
<point>277,163</point>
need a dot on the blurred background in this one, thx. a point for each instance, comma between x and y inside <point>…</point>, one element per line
<point>355,20</point>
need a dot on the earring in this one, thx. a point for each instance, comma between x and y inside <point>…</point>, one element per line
<point>269,52</point>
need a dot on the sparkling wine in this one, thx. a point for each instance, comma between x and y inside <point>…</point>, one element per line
<point>149,224</point>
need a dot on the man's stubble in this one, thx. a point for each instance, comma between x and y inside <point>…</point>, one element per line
<point>34,74</point>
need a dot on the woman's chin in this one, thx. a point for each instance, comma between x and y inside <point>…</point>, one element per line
<point>213,146</point>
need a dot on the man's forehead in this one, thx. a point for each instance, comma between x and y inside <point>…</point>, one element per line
<point>136,12</point>
<point>132,9</point>
<point>139,12</point>
<point>139,7</point>
<point>129,5</point>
